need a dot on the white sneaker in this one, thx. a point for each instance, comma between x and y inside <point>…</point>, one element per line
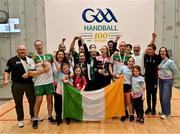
<point>164,117</point>
<point>20,124</point>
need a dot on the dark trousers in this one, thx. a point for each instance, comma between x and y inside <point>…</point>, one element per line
<point>91,85</point>
<point>58,106</point>
<point>151,93</point>
<point>18,91</point>
<point>138,106</point>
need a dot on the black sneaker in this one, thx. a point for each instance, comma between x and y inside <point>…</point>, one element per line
<point>35,124</point>
<point>123,118</point>
<point>58,120</point>
<point>148,111</point>
<point>137,119</point>
<point>68,121</point>
<point>131,118</point>
<point>141,121</point>
<point>153,112</point>
<point>51,120</point>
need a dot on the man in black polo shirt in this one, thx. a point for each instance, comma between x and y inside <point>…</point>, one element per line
<point>151,62</point>
<point>21,82</point>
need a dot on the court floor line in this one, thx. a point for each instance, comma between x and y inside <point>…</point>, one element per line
<point>146,117</point>
<point>11,108</point>
<point>7,111</point>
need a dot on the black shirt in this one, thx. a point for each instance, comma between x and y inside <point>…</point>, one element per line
<point>151,66</point>
<point>15,67</point>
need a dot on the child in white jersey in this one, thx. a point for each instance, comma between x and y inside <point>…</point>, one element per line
<point>137,92</point>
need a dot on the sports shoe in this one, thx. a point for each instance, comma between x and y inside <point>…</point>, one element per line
<point>148,111</point>
<point>141,121</point>
<point>58,120</point>
<point>164,117</point>
<point>68,121</point>
<point>131,118</point>
<point>39,119</point>
<point>137,119</point>
<point>35,124</point>
<point>153,112</point>
<point>123,118</point>
<point>51,120</point>
<point>20,124</point>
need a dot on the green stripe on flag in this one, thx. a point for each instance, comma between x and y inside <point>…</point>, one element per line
<point>72,107</point>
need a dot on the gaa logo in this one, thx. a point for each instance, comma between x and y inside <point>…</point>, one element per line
<point>89,15</point>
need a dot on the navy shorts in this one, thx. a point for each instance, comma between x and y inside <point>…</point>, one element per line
<point>127,88</point>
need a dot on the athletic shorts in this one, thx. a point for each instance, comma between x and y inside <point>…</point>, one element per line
<point>127,88</point>
<point>46,89</point>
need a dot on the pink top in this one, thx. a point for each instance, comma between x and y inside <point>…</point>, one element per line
<point>79,82</point>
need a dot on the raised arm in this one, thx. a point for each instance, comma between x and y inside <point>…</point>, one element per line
<point>153,38</point>
<point>116,39</point>
<point>55,61</point>
<point>73,43</point>
<point>116,42</point>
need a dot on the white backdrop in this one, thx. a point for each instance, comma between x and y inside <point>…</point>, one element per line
<point>64,20</point>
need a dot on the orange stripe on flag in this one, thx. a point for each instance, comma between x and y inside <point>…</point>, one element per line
<point>114,99</point>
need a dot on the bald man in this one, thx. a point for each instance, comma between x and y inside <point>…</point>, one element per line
<point>18,67</point>
<point>138,57</point>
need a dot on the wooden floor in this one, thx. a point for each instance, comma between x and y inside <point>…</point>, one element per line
<point>152,125</point>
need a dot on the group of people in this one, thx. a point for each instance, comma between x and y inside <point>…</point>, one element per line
<point>87,70</point>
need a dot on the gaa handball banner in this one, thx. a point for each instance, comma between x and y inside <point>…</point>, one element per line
<point>98,21</point>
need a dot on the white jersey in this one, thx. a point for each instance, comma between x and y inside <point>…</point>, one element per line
<point>139,60</point>
<point>47,77</point>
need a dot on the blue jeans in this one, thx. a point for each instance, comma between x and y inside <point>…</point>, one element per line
<point>165,93</point>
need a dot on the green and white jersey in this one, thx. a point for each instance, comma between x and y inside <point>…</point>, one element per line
<point>47,77</point>
<point>118,60</point>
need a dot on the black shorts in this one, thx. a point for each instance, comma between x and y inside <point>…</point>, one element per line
<point>127,88</point>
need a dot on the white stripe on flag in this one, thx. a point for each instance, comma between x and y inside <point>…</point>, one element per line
<point>93,105</point>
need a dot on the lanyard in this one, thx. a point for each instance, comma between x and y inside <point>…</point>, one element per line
<point>124,57</point>
<point>81,65</point>
<point>41,58</point>
<point>25,65</point>
<point>162,63</point>
<point>104,61</point>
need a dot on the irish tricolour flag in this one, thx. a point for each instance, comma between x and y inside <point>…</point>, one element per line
<point>95,105</point>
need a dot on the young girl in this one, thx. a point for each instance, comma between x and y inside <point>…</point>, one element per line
<point>137,92</point>
<point>79,81</point>
<point>65,77</point>
<point>126,71</point>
